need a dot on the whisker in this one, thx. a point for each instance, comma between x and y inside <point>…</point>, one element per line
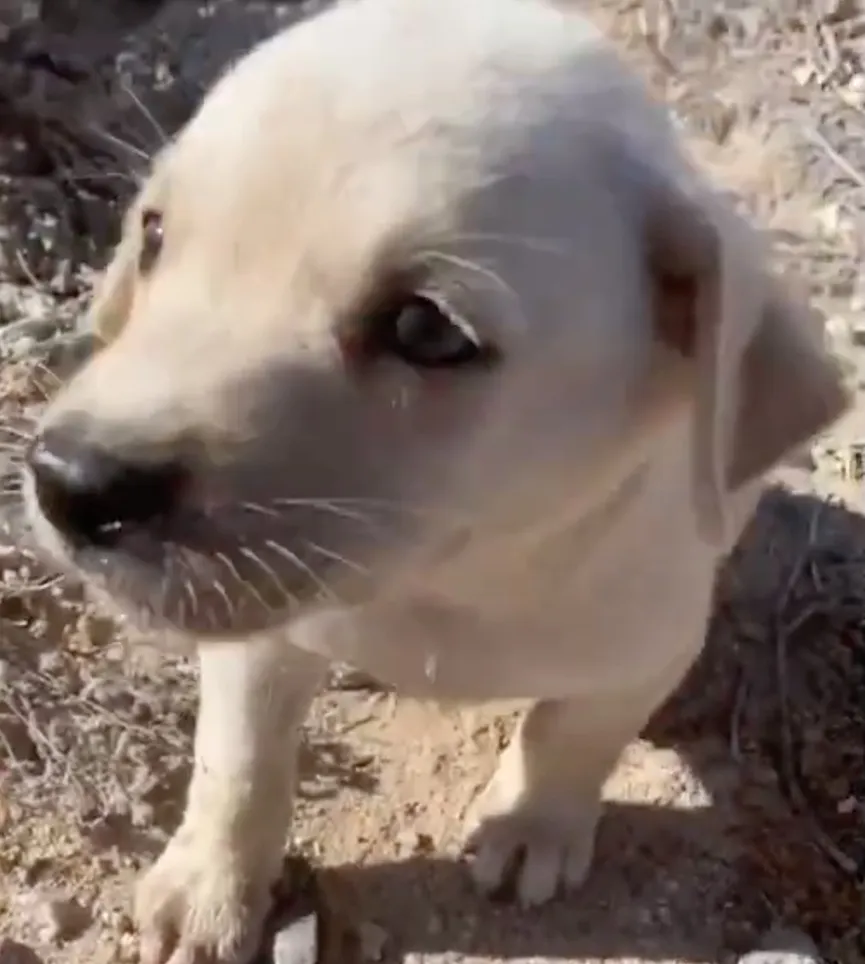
<point>187,580</point>
<point>541,245</point>
<point>469,265</point>
<point>486,273</point>
<point>329,505</point>
<point>300,564</point>
<point>191,595</point>
<point>222,592</point>
<point>96,176</point>
<point>24,265</point>
<point>314,504</point>
<point>260,509</point>
<point>44,370</point>
<point>339,504</point>
<point>248,586</point>
<point>336,557</point>
<point>145,111</point>
<point>119,142</point>
<point>253,557</point>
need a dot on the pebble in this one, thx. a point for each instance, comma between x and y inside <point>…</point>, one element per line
<point>347,678</point>
<point>297,943</point>
<point>784,946</point>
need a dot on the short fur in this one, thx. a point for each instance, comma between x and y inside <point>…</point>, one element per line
<point>546,528</point>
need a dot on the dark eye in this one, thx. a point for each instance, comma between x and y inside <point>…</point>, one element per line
<point>421,334</point>
<point>151,239</point>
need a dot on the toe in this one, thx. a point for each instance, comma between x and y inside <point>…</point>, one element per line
<point>489,868</point>
<point>494,856</point>
<point>540,874</point>
<point>578,863</point>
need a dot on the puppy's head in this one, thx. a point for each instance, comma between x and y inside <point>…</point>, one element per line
<point>394,283</point>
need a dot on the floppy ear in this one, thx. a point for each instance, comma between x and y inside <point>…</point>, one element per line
<point>763,383</point>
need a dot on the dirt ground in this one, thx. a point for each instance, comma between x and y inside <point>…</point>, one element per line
<point>742,806</point>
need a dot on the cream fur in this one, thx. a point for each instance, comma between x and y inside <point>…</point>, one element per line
<point>549,530</point>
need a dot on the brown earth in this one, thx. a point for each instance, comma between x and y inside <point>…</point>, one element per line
<point>743,805</point>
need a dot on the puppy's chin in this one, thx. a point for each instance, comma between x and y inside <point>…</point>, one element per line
<point>158,588</point>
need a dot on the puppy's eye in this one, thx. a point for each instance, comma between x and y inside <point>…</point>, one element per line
<point>151,239</point>
<point>421,334</point>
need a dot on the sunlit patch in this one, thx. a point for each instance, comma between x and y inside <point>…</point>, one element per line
<point>652,776</point>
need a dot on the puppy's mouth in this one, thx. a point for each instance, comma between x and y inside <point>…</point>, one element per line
<point>215,572</point>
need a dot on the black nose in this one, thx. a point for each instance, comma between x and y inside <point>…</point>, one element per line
<point>91,496</point>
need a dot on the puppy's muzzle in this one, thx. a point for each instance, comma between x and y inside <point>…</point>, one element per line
<point>91,496</point>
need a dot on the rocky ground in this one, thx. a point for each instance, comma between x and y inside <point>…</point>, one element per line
<point>742,808</point>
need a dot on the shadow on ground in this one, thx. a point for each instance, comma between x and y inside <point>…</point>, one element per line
<point>771,722</point>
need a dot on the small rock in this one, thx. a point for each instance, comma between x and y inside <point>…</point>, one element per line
<point>347,678</point>
<point>416,843</point>
<point>127,948</point>
<point>50,662</point>
<point>784,946</point>
<point>12,952</point>
<point>141,814</point>
<point>62,919</point>
<point>373,940</point>
<point>297,943</point>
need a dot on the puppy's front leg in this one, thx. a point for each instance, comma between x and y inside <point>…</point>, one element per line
<point>534,825</point>
<point>207,895</point>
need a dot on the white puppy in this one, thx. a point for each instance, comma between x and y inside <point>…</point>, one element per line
<point>426,349</point>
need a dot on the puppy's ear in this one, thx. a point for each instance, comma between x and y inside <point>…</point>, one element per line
<point>762,381</point>
<point>112,297</point>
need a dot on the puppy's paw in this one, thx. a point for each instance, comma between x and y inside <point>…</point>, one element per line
<point>201,901</point>
<point>530,844</point>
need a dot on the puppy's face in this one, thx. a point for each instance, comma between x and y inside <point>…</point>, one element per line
<point>394,283</point>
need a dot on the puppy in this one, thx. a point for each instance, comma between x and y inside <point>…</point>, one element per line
<point>426,348</point>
